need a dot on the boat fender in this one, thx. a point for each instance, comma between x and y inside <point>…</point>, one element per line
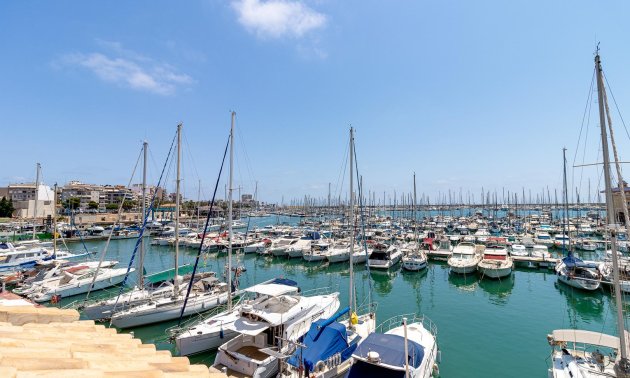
<point>436,370</point>
<point>320,366</point>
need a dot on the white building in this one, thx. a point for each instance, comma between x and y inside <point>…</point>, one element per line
<point>23,196</point>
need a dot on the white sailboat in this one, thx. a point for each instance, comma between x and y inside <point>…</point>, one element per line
<point>206,294</point>
<point>416,258</point>
<point>581,353</point>
<point>329,355</point>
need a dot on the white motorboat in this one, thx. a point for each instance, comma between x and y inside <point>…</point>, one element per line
<point>266,331</point>
<point>465,258</point>
<point>496,263</point>
<point>211,332</point>
<point>543,238</point>
<point>540,251</point>
<point>519,250</point>
<point>384,257</point>
<point>257,247</point>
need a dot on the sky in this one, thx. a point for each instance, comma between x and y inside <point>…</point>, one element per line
<point>466,94</point>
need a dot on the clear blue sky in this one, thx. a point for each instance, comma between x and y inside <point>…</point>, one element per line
<point>465,93</point>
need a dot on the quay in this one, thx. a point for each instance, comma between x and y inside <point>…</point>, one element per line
<point>48,342</point>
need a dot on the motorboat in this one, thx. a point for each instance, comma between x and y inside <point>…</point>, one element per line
<point>384,257</point>
<point>212,331</point>
<point>266,331</point>
<point>496,262</point>
<point>465,258</point>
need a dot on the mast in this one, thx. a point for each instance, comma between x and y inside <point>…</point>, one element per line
<point>145,146</point>
<point>38,168</point>
<point>565,226</point>
<point>351,292</point>
<point>177,182</point>
<point>229,262</point>
<point>610,212</point>
<point>55,222</point>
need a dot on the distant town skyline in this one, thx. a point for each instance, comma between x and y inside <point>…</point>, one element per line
<point>467,95</point>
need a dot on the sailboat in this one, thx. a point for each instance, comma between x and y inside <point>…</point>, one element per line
<point>416,258</point>
<point>207,293</point>
<point>327,348</point>
<point>582,353</point>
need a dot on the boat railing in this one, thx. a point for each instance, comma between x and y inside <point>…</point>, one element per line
<point>396,321</point>
<point>317,291</point>
<point>171,333</point>
<point>368,308</point>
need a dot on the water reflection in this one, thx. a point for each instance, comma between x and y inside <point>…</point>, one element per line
<point>464,282</point>
<point>383,280</point>
<point>588,305</point>
<point>498,290</point>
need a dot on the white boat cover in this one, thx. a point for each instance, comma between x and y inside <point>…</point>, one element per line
<point>586,337</point>
<point>247,327</point>
<point>271,289</point>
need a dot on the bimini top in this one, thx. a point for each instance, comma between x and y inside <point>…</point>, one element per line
<point>322,341</point>
<point>391,351</point>
<point>571,261</point>
<point>277,287</point>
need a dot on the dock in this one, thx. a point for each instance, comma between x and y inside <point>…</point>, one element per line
<point>47,342</point>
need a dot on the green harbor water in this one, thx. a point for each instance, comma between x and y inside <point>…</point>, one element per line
<point>485,328</point>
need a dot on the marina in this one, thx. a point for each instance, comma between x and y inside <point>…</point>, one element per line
<point>518,328</point>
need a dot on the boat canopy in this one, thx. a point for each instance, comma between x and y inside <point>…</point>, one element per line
<point>248,327</point>
<point>272,289</point>
<point>585,337</point>
<point>322,341</point>
<point>391,350</point>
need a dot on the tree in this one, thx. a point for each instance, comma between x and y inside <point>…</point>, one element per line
<point>128,205</point>
<point>72,203</point>
<point>93,205</point>
<point>111,206</point>
<point>6,208</point>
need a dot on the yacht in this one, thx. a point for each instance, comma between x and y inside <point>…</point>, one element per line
<point>384,257</point>
<point>496,263</point>
<point>318,252</point>
<point>465,258</point>
<point>543,238</point>
<point>395,350</point>
<point>212,331</point>
<point>267,331</point>
<point>518,250</point>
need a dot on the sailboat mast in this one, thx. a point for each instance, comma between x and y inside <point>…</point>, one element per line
<point>38,168</point>
<point>145,146</point>
<point>55,222</point>
<point>610,209</point>
<point>565,227</point>
<point>351,292</point>
<point>177,182</point>
<point>229,262</point>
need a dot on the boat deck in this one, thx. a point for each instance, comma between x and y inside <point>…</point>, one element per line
<point>252,352</point>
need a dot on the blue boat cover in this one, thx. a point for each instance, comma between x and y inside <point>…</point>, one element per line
<point>362,369</point>
<point>571,261</point>
<point>391,350</point>
<point>284,281</point>
<point>322,343</point>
